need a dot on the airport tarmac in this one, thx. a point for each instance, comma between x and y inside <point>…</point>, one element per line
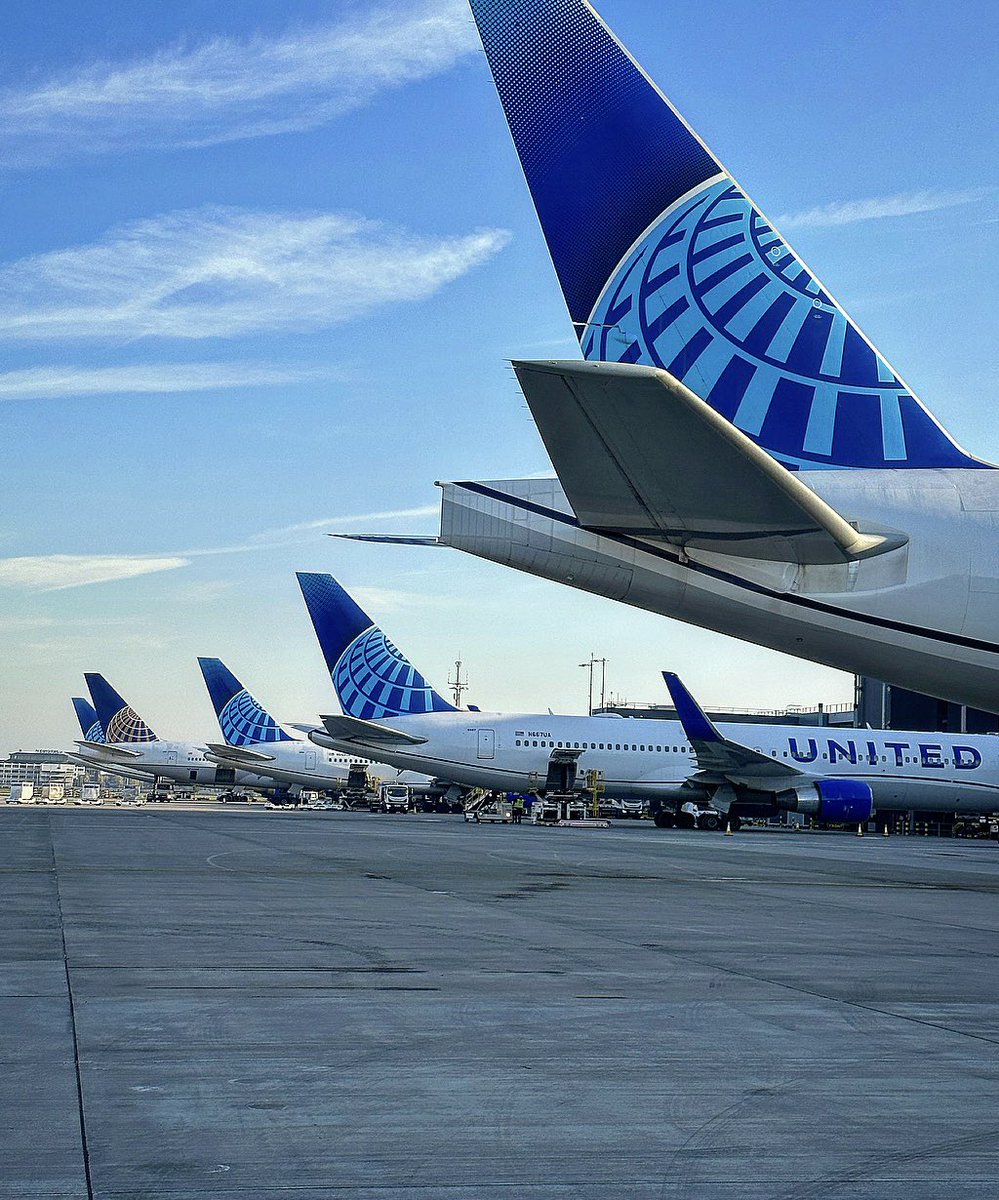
<point>244,1003</point>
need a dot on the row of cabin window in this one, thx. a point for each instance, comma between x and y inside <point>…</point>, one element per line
<point>658,749</point>
<point>598,746</point>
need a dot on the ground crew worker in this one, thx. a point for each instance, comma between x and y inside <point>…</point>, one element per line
<point>518,809</point>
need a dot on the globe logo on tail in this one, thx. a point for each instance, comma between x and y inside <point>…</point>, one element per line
<point>713,294</point>
<point>373,680</point>
<point>245,723</point>
<point>127,726</point>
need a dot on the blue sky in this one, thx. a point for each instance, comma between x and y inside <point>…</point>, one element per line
<point>262,271</point>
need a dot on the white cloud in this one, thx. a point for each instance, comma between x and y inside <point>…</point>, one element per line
<point>208,591</point>
<point>222,272</point>
<point>53,383</point>
<point>228,89</point>
<point>398,514</point>
<point>52,572</point>
<point>903,204</point>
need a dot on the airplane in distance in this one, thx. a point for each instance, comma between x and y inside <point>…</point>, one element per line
<point>131,747</point>
<point>255,742</point>
<point>391,712</point>
<point>90,727</point>
<point>733,451</point>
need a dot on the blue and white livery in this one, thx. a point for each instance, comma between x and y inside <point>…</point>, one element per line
<point>833,775</point>
<point>243,720</point>
<point>371,677</point>
<point>732,451</point>
<point>255,742</point>
<point>90,726</point>
<point>664,261</point>
<point>120,722</point>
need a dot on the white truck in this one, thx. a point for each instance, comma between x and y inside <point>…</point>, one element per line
<point>22,793</point>
<point>395,798</point>
<point>90,793</point>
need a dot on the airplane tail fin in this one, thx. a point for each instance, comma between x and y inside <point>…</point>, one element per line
<point>371,677</point>
<point>120,722</point>
<point>664,261</point>
<point>90,726</point>
<point>242,719</point>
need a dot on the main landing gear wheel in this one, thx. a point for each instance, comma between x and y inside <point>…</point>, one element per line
<point>664,820</point>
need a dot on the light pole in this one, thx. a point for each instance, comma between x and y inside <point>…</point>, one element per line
<point>602,664</point>
<point>458,685</point>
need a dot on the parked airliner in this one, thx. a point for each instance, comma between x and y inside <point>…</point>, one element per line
<point>391,712</point>
<point>132,748</point>
<point>734,451</point>
<point>93,736</point>
<point>255,742</point>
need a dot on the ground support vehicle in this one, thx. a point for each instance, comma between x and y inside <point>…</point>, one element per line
<point>692,815</point>
<point>978,827</point>
<point>629,809</point>
<point>395,798</point>
<point>492,809</point>
<point>563,808</point>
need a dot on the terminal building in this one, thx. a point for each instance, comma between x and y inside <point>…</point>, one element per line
<point>877,705</point>
<point>42,768</point>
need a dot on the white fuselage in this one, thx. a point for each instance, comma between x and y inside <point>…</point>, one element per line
<point>182,762</point>
<point>924,616</point>
<point>652,759</point>
<point>312,767</point>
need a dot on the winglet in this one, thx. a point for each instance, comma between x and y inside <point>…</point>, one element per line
<point>697,725</point>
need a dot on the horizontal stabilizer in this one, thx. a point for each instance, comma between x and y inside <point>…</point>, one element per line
<point>114,753</point>
<point>718,758</point>
<point>665,261</point>
<point>238,754</point>
<point>352,729</point>
<point>383,539</point>
<point>638,453</point>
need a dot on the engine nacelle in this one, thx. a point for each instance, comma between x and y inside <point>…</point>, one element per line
<point>836,801</point>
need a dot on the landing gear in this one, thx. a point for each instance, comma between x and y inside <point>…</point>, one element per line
<point>664,819</point>
<point>709,821</point>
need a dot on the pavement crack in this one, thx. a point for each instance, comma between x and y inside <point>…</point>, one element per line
<point>84,1145</point>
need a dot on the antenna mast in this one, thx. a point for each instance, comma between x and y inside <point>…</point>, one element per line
<point>458,685</point>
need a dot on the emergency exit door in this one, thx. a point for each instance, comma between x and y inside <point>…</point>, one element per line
<point>487,743</point>
<point>310,760</point>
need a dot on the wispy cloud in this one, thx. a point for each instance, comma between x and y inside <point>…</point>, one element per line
<point>54,383</point>
<point>228,89</point>
<point>223,272</point>
<point>53,572</point>
<point>305,527</point>
<point>877,208</point>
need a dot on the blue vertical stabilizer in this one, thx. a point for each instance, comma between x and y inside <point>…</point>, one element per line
<point>242,719</point>
<point>121,723</point>
<point>90,726</point>
<point>664,261</point>
<point>372,679</point>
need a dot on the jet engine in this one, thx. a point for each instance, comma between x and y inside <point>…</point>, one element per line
<point>837,801</point>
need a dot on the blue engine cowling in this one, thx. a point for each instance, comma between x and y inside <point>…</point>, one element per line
<point>836,801</point>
